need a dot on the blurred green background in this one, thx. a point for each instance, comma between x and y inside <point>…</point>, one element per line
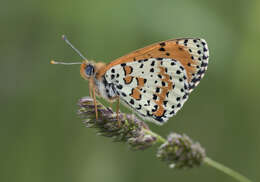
<point>42,138</point>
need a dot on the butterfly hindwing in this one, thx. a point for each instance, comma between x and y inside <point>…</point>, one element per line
<point>154,88</point>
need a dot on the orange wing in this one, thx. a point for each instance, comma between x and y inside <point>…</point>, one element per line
<point>166,49</point>
<point>192,53</point>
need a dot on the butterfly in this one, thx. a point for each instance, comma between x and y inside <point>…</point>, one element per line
<point>154,81</point>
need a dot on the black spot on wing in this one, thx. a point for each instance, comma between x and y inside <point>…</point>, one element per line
<point>132,101</point>
<point>155,107</point>
<point>161,49</point>
<point>162,44</point>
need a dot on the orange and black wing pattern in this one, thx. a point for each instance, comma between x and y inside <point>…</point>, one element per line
<point>155,81</point>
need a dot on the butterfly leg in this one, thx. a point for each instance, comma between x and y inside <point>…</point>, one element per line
<point>90,89</point>
<point>110,104</point>
<point>95,101</point>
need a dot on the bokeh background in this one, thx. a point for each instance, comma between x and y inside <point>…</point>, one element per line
<point>42,138</point>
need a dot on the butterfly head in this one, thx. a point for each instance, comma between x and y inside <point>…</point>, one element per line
<point>87,70</point>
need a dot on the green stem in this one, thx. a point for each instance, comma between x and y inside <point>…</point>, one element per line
<point>225,170</point>
<point>209,162</point>
<point>159,138</point>
<point>206,160</point>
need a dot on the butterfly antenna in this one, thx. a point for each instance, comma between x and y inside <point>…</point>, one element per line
<point>58,62</point>
<point>76,50</point>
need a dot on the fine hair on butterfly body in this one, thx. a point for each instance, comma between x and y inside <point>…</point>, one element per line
<point>154,81</point>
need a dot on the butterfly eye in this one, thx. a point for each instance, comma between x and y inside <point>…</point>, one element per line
<point>89,70</point>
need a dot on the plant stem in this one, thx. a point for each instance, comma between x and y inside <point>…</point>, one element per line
<point>160,139</point>
<point>87,110</point>
<point>209,162</point>
<point>225,170</point>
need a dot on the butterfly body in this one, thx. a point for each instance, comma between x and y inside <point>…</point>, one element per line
<point>154,81</point>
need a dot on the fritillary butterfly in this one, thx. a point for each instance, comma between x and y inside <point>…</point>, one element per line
<point>154,81</point>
